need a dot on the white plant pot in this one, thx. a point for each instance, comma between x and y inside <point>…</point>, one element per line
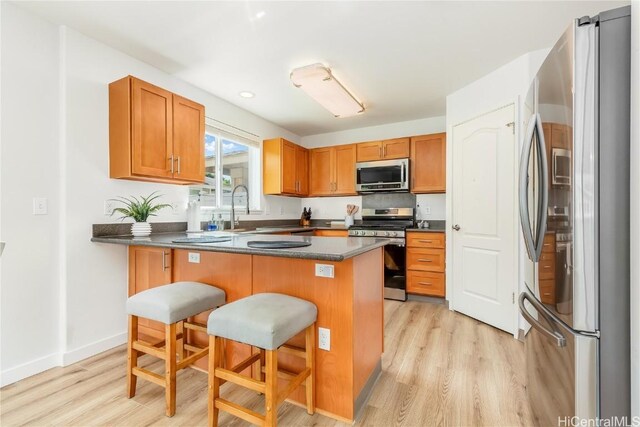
<point>140,229</point>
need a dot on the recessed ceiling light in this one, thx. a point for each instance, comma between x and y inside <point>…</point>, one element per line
<point>247,94</point>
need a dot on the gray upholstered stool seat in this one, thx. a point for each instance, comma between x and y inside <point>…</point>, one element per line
<point>175,302</point>
<point>262,320</point>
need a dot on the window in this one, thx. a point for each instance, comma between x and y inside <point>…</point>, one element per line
<point>230,160</point>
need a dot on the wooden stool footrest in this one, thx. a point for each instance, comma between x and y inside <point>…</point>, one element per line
<point>147,348</point>
<point>149,376</point>
<point>246,363</point>
<point>295,383</point>
<point>195,326</point>
<point>239,411</point>
<point>294,351</point>
<point>247,382</point>
<point>189,360</point>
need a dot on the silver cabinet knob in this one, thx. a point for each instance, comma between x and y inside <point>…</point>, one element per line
<point>456,227</point>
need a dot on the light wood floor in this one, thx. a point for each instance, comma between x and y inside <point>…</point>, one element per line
<point>439,368</point>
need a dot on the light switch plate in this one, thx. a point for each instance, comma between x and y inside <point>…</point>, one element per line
<point>40,206</point>
<point>324,339</point>
<point>325,270</point>
<point>194,257</point>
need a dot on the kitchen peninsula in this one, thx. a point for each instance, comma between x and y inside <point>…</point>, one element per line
<point>350,304</point>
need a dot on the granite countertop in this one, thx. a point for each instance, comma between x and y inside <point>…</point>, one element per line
<point>291,229</point>
<point>322,248</point>
<point>432,229</point>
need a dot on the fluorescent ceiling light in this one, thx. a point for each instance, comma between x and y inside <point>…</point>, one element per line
<point>318,82</point>
<point>247,94</point>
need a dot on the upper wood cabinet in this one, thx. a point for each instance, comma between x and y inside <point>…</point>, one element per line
<point>284,168</point>
<point>332,171</point>
<point>428,163</point>
<point>154,135</point>
<point>397,148</point>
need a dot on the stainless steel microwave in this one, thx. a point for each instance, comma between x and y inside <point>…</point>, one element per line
<point>382,175</point>
<point>561,167</point>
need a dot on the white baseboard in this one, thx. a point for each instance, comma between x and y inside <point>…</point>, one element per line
<point>92,349</point>
<point>10,376</point>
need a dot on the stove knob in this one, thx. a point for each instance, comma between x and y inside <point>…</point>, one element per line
<point>360,233</point>
<point>392,234</point>
<point>384,233</point>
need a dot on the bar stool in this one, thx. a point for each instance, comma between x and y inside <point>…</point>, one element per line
<point>265,321</point>
<point>170,304</point>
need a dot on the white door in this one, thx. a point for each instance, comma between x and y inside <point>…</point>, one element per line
<point>484,264</point>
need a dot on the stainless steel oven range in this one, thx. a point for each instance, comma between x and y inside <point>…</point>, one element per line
<point>389,224</point>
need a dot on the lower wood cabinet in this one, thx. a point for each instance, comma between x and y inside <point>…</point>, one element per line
<point>426,263</point>
<point>331,233</point>
<point>149,268</point>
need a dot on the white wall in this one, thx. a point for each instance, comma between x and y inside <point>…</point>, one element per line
<point>635,208</point>
<point>334,207</point>
<point>508,84</point>
<point>66,293</point>
<point>29,168</point>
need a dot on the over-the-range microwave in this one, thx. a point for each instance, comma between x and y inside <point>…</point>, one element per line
<point>382,175</point>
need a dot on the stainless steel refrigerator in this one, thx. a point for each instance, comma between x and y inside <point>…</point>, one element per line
<point>574,212</point>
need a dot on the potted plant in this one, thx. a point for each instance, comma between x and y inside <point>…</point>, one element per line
<point>140,210</point>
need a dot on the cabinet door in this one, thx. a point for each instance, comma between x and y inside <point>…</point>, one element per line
<point>395,148</point>
<point>368,151</point>
<point>289,178</point>
<point>320,176</point>
<point>302,171</point>
<point>560,136</point>
<point>188,139</point>
<point>428,163</point>
<point>152,140</point>
<point>149,268</point>
<point>344,168</point>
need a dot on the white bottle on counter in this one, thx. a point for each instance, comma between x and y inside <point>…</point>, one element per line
<point>193,217</point>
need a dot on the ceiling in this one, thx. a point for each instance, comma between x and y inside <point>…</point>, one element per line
<point>401,59</point>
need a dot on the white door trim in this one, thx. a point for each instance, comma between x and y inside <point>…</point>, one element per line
<point>450,269</point>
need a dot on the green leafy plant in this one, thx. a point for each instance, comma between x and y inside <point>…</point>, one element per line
<point>139,209</point>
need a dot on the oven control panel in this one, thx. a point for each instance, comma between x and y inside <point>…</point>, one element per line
<point>376,233</point>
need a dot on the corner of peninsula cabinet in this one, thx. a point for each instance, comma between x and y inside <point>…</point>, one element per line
<point>350,305</point>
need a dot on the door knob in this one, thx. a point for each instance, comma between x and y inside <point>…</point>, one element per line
<point>456,227</point>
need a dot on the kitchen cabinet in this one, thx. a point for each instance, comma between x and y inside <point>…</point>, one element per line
<point>331,233</point>
<point>148,268</point>
<point>397,148</point>
<point>332,171</point>
<point>428,163</point>
<point>547,270</point>
<point>284,168</point>
<point>426,263</point>
<point>154,135</point>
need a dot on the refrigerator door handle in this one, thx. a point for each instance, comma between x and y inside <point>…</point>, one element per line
<point>543,171</point>
<point>554,335</point>
<point>523,192</point>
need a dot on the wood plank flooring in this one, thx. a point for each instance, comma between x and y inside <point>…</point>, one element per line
<point>439,368</point>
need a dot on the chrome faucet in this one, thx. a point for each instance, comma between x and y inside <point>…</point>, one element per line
<point>233,205</point>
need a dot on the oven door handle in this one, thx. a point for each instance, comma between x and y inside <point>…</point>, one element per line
<point>403,174</point>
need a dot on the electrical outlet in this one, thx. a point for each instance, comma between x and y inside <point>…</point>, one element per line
<point>427,210</point>
<point>194,257</point>
<point>324,339</point>
<point>109,206</point>
<point>324,270</point>
<point>40,206</point>
<point>281,210</point>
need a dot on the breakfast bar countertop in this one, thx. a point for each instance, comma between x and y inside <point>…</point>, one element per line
<point>321,248</point>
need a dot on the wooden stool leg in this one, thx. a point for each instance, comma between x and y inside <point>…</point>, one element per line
<point>132,356</point>
<point>271,393</point>
<point>310,350</point>
<point>180,342</point>
<point>215,345</point>
<point>170,369</point>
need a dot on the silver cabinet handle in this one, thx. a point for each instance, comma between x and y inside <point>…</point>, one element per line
<point>552,335</point>
<point>425,241</point>
<point>171,160</point>
<point>178,165</point>
<point>425,283</point>
<point>425,260</point>
<point>380,152</point>
<point>384,151</point>
<point>164,261</point>
<point>456,227</point>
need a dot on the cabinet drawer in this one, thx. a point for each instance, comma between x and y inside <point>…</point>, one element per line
<point>547,269</point>
<point>547,256</point>
<point>331,233</point>
<point>425,240</point>
<point>425,259</point>
<point>548,291</point>
<point>423,283</point>
<point>549,243</point>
